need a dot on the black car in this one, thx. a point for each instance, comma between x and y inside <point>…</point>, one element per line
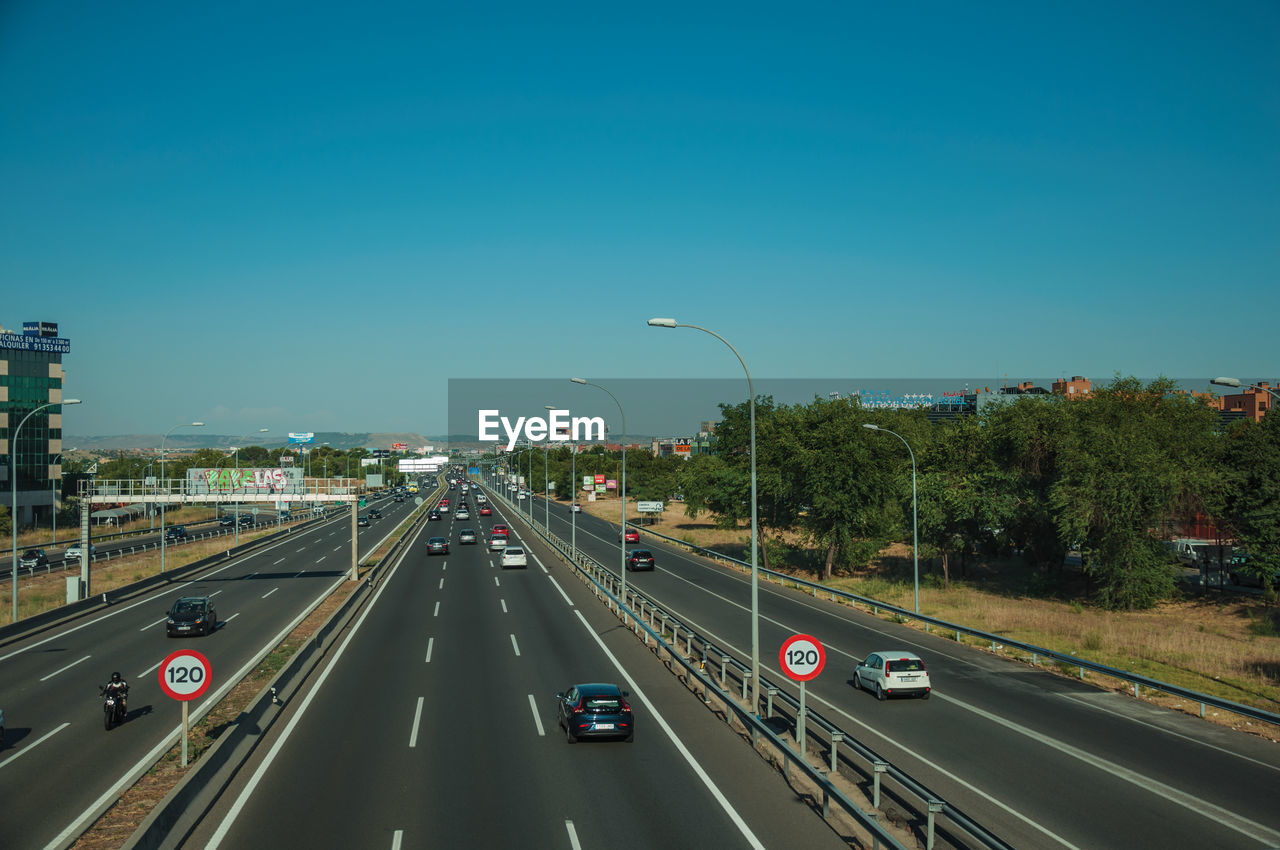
<point>192,615</point>
<point>433,515</point>
<point>639,559</point>
<point>248,519</point>
<point>597,710</point>
<point>399,498</point>
<point>374,513</point>
<point>33,558</point>
<point>228,521</point>
<point>437,546</point>
<point>362,521</point>
<point>176,532</point>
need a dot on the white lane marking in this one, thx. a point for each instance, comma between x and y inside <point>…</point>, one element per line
<point>153,668</point>
<point>337,548</point>
<point>417,719</point>
<point>303,549</point>
<point>153,625</point>
<point>37,742</point>
<point>515,645</point>
<point>396,838</point>
<point>431,642</point>
<point>573,835</point>
<point>504,605</point>
<point>538,561</point>
<point>636,692</point>
<point>269,592</point>
<point>561,589</point>
<point>442,584</point>
<point>444,565</point>
<point>299,573</point>
<point>533,706</point>
<point>437,611</point>
<point>496,583</point>
<point>215,593</point>
<point>276,563</point>
<point>68,667</point>
<point>223,828</point>
<point>251,575</point>
<point>321,558</point>
<point>491,564</point>
<point>232,617</point>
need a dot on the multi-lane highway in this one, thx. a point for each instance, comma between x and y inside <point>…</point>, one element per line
<point>434,726</point>
<point>58,765</point>
<point>1042,760</point>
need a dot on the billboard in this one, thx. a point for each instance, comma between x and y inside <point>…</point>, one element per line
<point>599,478</point>
<point>368,461</point>
<point>611,484</point>
<point>398,447</point>
<point>588,480</point>
<point>649,507</point>
<point>302,437</point>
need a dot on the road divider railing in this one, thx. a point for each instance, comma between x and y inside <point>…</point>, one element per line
<point>1035,654</point>
<point>709,669</point>
<point>182,809</point>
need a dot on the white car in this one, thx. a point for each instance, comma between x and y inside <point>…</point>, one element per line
<point>497,544</point>
<point>442,508</point>
<point>576,508</point>
<point>75,553</point>
<point>893,673</point>
<point>463,513</point>
<point>520,496</point>
<point>513,556</point>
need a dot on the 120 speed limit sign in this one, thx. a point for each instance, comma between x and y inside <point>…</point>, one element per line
<point>802,657</point>
<point>185,674</point>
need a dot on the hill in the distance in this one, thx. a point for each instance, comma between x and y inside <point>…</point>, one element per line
<point>194,439</point>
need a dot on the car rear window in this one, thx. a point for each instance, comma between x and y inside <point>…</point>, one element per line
<point>601,704</point>
<point>904,665</point>
<point>514,550</point>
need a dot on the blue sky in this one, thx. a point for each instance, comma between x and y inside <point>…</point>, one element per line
<point>309,216</point>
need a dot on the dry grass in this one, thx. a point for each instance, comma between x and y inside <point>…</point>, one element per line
<point>42,537</point>
<point>1227,646</point>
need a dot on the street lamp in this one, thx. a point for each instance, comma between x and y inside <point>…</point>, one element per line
<point>165,481</point>
<point>53,495</point>
<point>915,540</point>
<point>13,490</point>
<point>546,483</point>
<point>622,536</point>
<point>1236,382</point>
<point>755,524</point>
<point>236,448</point>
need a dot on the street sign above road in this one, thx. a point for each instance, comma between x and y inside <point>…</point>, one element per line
<point>185,674</point>
<point>802,657</point>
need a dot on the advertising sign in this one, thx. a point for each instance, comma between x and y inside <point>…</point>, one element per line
<point>23,342</point>
<point>649,507</point>
<point>399,447</point>
<point>599,488</point>
<point>588,480</point>
<point>599,478</point>
<point>373,480</point>
<point>368,461</point>
<point>611,484</point>
<point>302,437</point>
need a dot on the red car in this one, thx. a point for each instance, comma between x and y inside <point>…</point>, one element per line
<point>499,531</point>
<point>632,536</point>
<point>484,510</point>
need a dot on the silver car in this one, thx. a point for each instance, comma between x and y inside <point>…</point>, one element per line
<point>467,535</point>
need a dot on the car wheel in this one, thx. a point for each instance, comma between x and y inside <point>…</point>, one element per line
<point>857,681</point>
<point>880,694</point>
<point>925,695</point>
<point>630,739</point>
<point>568,736</point>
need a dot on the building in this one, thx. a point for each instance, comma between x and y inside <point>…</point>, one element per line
<point>1077,387</point>
<point>30,376</point>
<point>1250,403</point>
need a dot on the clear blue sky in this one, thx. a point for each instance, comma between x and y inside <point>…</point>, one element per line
<point>308,216</point>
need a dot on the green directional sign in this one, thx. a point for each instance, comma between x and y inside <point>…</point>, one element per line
<point>362,501</point>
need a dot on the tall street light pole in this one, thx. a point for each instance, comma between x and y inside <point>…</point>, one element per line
<point>915,539</point>
<point>165,481</point>
<point>622,535</point>
<point>13,491</point>
<point>53,494</point>
<point>755,524</point>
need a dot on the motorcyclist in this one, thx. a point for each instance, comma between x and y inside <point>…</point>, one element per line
<point>120,689</point>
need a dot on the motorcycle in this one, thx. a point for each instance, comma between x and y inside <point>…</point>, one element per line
<point>112,709</point>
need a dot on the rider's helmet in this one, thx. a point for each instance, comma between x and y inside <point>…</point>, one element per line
<point>115,677</point>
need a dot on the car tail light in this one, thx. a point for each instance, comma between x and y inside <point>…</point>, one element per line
<point>625,706</point>
<point>888,667</point>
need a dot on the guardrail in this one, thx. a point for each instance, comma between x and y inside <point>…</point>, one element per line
<point>994,640</point>
<point>700,654</point>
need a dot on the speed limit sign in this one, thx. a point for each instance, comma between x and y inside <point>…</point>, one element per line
<point>185,674</point>
<point>802,657</point>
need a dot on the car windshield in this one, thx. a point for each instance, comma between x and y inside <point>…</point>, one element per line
<point>189,608</point>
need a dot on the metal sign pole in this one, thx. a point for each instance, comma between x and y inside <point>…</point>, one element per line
<point>800,722</point>
<point>186,730</point>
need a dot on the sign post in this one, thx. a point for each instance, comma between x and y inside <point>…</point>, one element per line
<point>802,657</point>
<point>185,675</point>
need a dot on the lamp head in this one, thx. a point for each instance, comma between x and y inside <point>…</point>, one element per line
<point>871,427</point>
<point>197,424</point>
<point>579,380</point>
<point>70,401</point>
<point>662,323</point>
<point>1222,382</point>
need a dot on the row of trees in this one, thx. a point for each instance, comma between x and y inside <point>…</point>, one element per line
<point>1104,474</point>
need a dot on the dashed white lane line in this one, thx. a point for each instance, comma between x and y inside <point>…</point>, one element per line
<point>533,706</point>
<point>337,548</point>
<point>573,835</point>
<point>396,838</point>
<point>431,642</point>
<point>269,592</point>
<point>504,605</point>
<point>321,558</point>
<point>68,667</point>
<point>417,719</point>
<point>299,573</point>
<point>153,625</point>
<point>153,668</point>
<point>442,584</point>
<point>232,617</point>
<point>276,564</point>
<point>496,583</point>
<point>37,742</point>
<point>437,611</point>
<point>515,646</point>
<point>303,549</point>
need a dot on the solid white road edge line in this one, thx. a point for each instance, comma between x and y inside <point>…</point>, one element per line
<point>252,785</point>
<point>396,838</point>
<point>417,721</point>
<point>561,589</point>
<point>573,835</point>
<point>533,706</point>
<point>675,740</point>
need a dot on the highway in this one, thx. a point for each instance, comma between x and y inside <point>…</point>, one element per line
<point>1042,760</point>
<point>57,756</point>
<point>434,726</point>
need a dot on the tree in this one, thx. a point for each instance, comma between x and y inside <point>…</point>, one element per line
<point>1251,494</point>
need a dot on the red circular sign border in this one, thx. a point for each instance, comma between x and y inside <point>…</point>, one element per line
<point>208,678</point>
<point>782,657</point>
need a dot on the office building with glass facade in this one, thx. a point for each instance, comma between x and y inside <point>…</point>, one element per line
<point>30,376</point>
